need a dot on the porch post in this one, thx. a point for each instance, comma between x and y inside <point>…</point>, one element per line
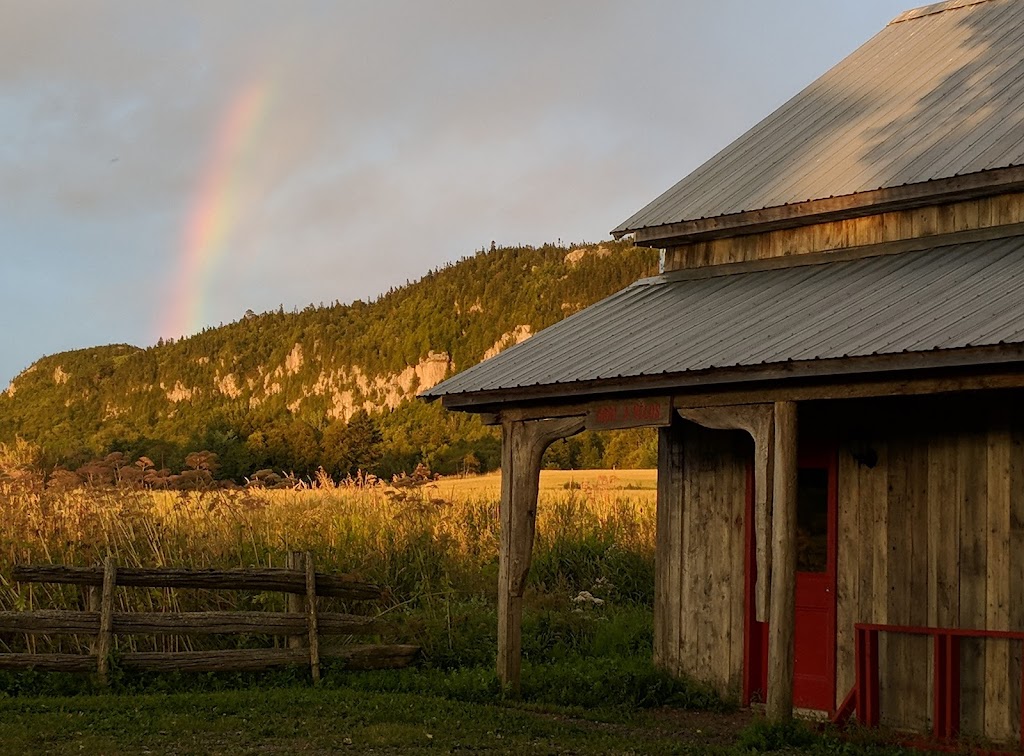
<point>522,445</point>
<point>783,586</point>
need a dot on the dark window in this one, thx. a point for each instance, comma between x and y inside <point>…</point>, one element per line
<point>812,520</point>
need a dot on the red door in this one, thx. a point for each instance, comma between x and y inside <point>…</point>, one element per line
<point>814,667</point>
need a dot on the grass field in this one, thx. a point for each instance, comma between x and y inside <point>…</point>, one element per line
<point>635,484</point>
<point>352,720</point>
<point>588,682</point>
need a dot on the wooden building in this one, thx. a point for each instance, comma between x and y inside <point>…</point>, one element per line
<point>834,355</point>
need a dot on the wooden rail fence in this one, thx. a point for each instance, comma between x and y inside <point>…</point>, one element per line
<point>301,622</point>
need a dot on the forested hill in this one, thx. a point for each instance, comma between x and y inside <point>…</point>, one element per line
<point>327,386</point>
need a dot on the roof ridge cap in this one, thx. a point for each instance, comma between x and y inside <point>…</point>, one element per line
<point>935,8</point>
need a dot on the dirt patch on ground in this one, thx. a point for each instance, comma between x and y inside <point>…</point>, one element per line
<point>702,727</point>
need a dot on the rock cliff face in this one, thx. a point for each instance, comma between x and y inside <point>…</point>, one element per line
<point>318,365</point>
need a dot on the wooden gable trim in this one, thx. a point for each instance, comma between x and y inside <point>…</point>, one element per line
<point>940,191</point>
<point>841,254</point>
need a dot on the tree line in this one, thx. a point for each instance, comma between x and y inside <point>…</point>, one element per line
<point>277,390</point>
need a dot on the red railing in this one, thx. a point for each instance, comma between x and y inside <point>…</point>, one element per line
<point>864,698</point>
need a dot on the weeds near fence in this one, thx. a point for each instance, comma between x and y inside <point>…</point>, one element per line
<point>437,556</point>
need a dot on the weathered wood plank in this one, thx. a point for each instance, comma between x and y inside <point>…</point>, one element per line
<point>783,579</point>
<point>311,618</point>
<point>373,657</point>
<point>668,557</point>
<point>919,706</point>
<point>523,445</point>
<point>805,215</point>
<point>49,662</point>
<point>741,451</point>
<point>849,548</point>
<point>690,578</point>
<point>900,229</point>
<point>973,493</point>
<point>354,657</point>
<point>702,524</point>
<point>998,716</point>
<point>250,579</point>
<point>897,690</point>
<point>104,638</point>
<point>944,508</point>
<point>714,657</point>
<point>878,493</point>
<point>758,421</point>
<point>864,554</point>
<point>296,560</point>
<point>679,515</point>
<point>1016,546</point>
<point>62,622</point>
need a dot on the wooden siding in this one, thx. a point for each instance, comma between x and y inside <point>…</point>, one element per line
<point>933,535</point>
<point>699,576</point>
<point>971,215</point>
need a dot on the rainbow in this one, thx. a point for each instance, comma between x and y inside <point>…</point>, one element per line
<point>215,212</point>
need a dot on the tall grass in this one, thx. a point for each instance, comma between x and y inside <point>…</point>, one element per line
<point>436,556</point>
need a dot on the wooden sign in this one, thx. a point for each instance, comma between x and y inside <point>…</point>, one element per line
<point>630,413</point>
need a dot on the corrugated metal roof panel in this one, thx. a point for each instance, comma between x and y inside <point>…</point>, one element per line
<point>952,297</point>
<point>936,94</point>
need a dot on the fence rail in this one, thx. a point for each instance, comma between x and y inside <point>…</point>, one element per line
<point>259,579</point>
<point>864,698</point>
<point>301,623</point>
<point>61,622</point>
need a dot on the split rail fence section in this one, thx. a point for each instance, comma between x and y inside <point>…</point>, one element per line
<point>300,621</point>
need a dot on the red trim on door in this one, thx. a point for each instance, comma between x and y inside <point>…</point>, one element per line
<point>809,585</point>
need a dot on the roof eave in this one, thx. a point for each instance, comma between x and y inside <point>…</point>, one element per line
<point>846,368</point>
<point>937,192</point>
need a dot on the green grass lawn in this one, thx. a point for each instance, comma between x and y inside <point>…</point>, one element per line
<point>352,720</point>
<point>312,721</point>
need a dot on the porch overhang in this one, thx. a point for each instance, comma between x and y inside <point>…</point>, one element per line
<point>949,310</point>
<point>905,374</point>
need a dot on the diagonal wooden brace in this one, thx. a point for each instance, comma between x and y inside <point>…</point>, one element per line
<point>523,443</point>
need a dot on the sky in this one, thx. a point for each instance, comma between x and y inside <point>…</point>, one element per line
<point>166,166</point>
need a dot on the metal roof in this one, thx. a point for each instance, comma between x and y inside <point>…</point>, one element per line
<point>944,298</point>
<point>938,93</point>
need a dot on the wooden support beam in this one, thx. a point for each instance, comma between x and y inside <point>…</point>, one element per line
<point>782,619</point>
<point>758,421</point>
<point>668,549</point>
<point>522,446</point>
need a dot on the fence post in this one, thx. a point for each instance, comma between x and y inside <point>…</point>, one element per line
<point>91,596</point>
<point>314,639</point>
<point>106,631</point>
<point>294,602</point>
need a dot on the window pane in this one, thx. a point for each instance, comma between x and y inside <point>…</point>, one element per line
<point>812,520</point>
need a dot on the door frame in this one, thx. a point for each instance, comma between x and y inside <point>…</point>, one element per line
<point>755,634</point>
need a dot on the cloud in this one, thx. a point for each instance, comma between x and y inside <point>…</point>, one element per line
<point>397,135</point>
